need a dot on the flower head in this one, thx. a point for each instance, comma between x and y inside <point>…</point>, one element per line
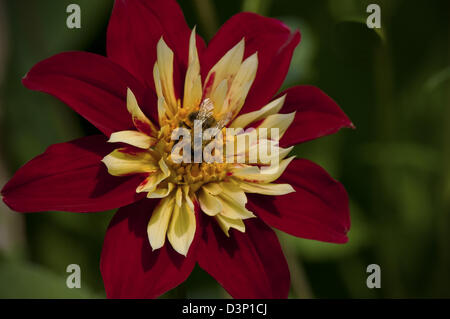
<point>213,205</point>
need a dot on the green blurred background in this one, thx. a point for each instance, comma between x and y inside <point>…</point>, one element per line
<point>394,84</point>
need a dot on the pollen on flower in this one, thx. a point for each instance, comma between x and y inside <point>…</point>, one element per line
<point>217,187</point>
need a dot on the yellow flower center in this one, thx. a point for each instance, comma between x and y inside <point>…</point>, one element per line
<point>193,174</point>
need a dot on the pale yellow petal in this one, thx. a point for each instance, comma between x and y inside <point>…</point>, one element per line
<point>151,182</point>
<point>269,151</point>
<point>240,170</point>
<point>233,209</point>
<point>283,152</point>
<point>226,69</point>
<point>182,228</point>
<point>273,107</point>
<point>241,85</point>
<point>279,121</point>
<point>123,161</point>
<point>157,80</point>
<point>163,166</point>
<point>163,109</point>
<point>209,204</point>
<point>265,174</point>
<point>179,196</point>
<point>193,82</point>
<point>266,150</point>
<point>266,189</point>
<point>158,224</point>
<point>161,192</point>
<point>234,192</point>
<point>187,196</point>
<point>141,122</point>
<point>241,147</point>
<point>218,97</point>
<point>133,138</point>
<point>165,69</point>
<point>252,149</point>
<point>212,188</point>
<point>226,223</point>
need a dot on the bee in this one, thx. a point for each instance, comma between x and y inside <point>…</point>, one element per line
<point>206,116</point>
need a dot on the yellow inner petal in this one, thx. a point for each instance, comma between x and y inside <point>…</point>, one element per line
<point>153,180</point>
<point>161,192</point>
<point>241,85</point>
<point>133,138</point>
<point>159,222</point>
<point>266,189</point>
<point>141,122</point>
<point>164,75</point>
<point>193,83</point>
<point>233,209</point>
<point>182,227</point>
<point>209,204</point>
<point>124,161</point>
<point>264,174</point>
<point>226,223</point>
<point>248,118</point>
<point>279,121</point>
<point>226,69</point>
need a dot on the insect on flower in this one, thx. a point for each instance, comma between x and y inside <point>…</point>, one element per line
<point>159,76</point>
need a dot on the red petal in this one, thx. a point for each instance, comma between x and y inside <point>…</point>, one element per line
<point>70,177</point>
<point>136,27</point>
<point>247,265</point>
<point>129,267</point>
<point>317,210</point>
<point>92,85</point>
<point>317,115</point>
<point>274,43</point>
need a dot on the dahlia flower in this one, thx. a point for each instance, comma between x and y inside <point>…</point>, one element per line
<point>160,76</point>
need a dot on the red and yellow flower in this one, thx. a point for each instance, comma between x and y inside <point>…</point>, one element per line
<point>156,78</point>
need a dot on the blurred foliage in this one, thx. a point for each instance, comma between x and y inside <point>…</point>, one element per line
<point>393,83</point>
<point>21,280</point>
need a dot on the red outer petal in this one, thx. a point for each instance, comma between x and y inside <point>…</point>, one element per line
<point>317,115</point>
<point>92,85</point>
<point>274,43</point>
<point>70,177</point>
<point>129,267</point>
<point>247,265</point>
<point>317,210</point>
<point>135,28</point>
